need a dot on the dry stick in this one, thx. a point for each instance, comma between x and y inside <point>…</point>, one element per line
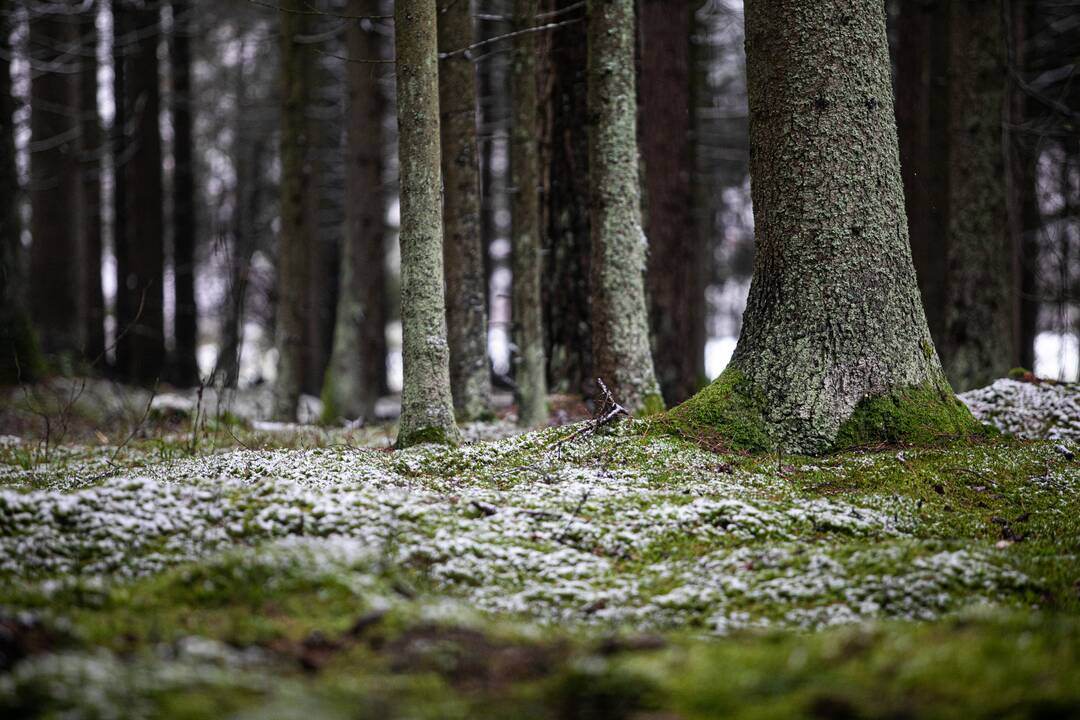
<point>111,462</point>
<point>566,528</point>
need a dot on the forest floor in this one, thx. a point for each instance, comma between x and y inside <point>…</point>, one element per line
<point>184,559</point>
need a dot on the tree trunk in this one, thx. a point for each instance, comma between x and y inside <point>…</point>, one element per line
<point>466,312</point>
<point>292,255</point>
<point>676,283</point>
<point>620,317</point>
<point>525,213</point>
<point>427,411</point>
<point>141,347</point>
<point>185,366</point>
<point>565,208</point>
<point>978,338</point>
<point>922,117</point>
<point>20,359</point>
<point>351,385</point>
<point>834,349</point>
<point>56,256</point>
<point>92,150</point>
<point>121,26</point>
<point>1024,219</point>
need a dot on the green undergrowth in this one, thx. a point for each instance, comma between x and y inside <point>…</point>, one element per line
<point>573,572</point>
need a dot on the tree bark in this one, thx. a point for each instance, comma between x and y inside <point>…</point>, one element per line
<point>185,365</point>
<point>834,348</point>
<point>141,346</point>
<point>675,280</point>
<point>620,317</point>
<point>20,359</point>
<point>525,213</point>
<point>92,151</point>
<point>351,385</point>
<point>292,256</point>
<point>564,162</point>
<point>427,412</point>
<point>56,255</point>
<point>463,252</point>
<point>978,337</point>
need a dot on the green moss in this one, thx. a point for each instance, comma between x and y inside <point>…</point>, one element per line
<point>430,434</point>
<point>726,414</point>
<point>330,412</point>
<point>912,416</point>
<point>653,404</point>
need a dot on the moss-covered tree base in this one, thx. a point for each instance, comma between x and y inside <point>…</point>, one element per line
<point>730,414</point>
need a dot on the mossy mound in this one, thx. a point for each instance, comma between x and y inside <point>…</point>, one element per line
<point>726,414</point>
<point>730,414</point>
<point>923,416</point>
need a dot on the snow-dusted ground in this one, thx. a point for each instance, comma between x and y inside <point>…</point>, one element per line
<point>1040,409</point>
<point>613,530</point>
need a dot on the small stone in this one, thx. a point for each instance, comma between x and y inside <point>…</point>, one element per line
<point>1065,452</point>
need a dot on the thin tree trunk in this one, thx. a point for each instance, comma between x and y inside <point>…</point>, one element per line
<point>565,208</point>
<point>922,117</point>
<point>185,366</point>
<point>92,147</point>
<point>292,256</point>
<point>20,357</point>
<point>351,385</point>
<point>121,26</point>
<point>620,316</point>
<point>834,348</point>
<point>427,411</point>
<point>56,256</point>
<point>978,338</point>
<point>525,214</point>
<point>676,283</point>
<point>1023,203</point>
<point>463,253</point>
<point>141,348</point>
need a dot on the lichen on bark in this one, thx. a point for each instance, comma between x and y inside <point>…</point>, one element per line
<point>834,320</point>
<point>463,252</point>
<point>527,263</point>
<point>622,356</point>
<point>427,411</point>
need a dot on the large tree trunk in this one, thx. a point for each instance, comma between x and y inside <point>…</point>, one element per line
<point>351,385</point>
<point>20,358</point>
<point>525,213</point>
<point>620,317</point>
<point>463,253</point>
<point>565,208</point>
<point>92,151</point>
<point>834,347</point>
<point>676,257</point>
<point>141,347</point>
<point>427,410</point>
<point>294,248</point>
<point>978,336</point>
<point>185,366</point>
<point>56,256</point>
<point>922,118</point>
